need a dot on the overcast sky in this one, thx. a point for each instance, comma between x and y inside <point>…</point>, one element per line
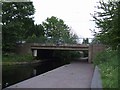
<point>75,13</point>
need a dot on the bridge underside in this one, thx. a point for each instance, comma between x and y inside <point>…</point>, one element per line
<point>82,47</point>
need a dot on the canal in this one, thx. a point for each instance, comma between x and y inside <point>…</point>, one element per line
<point>12,74</point>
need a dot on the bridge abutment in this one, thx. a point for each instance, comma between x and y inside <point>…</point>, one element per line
<point>93,50</point>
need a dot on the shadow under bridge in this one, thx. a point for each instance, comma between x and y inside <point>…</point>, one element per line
<point>67,47</point>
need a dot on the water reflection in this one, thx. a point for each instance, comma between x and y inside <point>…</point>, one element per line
<point>34,72</point>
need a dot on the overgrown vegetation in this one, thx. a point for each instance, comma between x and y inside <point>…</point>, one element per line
<point>13,58</point>
<point>107,61</point>
<point>108,23</point>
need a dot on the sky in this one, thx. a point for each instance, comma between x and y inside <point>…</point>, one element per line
<point>75,13</point>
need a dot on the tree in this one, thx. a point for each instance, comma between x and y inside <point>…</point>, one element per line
<point>36,34</point>
<point>16,21</point>
<point>109,23</point>
<point>96,40</point>
<point>57,31</point>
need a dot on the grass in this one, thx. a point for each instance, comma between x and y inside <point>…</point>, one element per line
<point>12,58</point>
<point>107,61</point>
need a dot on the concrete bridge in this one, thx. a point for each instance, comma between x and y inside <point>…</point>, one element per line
<point>69,47</point>
<point>92,49</point>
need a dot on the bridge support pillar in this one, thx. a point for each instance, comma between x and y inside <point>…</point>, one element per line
<point>90,54</point>
<point>34,53</point>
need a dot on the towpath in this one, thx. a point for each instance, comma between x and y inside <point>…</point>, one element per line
<point>75,75</point>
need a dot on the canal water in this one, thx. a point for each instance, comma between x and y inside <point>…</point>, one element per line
<point>13,74</point>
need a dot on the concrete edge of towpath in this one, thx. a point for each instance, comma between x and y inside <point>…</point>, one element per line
<point>96,80</point>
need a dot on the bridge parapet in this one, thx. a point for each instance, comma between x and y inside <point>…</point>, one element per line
<point>75,45</point>
<point>72,47</point>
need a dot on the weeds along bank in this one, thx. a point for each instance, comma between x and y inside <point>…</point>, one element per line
<point>107,62</point>
<point>12,58</point>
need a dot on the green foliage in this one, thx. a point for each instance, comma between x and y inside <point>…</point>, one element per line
<point>101,57</point>
<point>36,31</point>
<point>96,40</point>
<point>16,58</point>
<point>104,56</point>
<point>107,61</point>
<point>35,39</point>
<point>57,31</point>
<point>108,22</point>
<point>16,21</point>
<point>36,35</point>
<point>109,72</point>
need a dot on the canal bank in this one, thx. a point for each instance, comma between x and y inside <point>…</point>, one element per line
<point>75,75</point>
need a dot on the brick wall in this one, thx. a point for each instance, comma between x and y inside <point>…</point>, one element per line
<point>24,48</point>
<point>94,49</point>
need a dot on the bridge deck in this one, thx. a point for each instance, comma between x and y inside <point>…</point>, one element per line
<point>60,47</point>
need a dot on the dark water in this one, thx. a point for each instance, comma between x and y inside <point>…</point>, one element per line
<point>15,73</point>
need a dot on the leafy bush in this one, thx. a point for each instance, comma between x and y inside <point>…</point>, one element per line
<point>109,73</point>
<point>104,56</point>
<point>107,61</point>
<point>100,58</point>
<point>17,58</point>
